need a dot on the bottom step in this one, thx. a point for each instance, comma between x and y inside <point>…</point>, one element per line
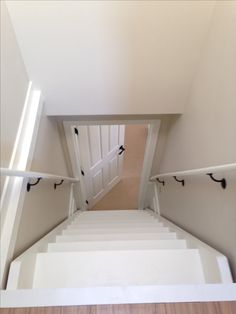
<point>117,268</point>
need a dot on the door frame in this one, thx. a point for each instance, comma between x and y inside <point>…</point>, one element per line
<point>150,148</point>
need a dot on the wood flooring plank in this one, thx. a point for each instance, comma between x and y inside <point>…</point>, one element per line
<point>142,308</point>
<point>104,309</point>
<point>190,308</point>
<point>76,310</point>
<point>170,308</point>
<point>45,310</point>
<point>15,311</point>
<point>121,309</point>
<point>228,307</point>
<point>5,311</point>
<point>212,308</point>
<point>161,308</point>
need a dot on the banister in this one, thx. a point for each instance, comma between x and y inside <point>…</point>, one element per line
<point>206,170</point>
<point>31,174</point>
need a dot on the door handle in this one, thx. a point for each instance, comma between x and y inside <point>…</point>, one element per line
<point>122,149</point>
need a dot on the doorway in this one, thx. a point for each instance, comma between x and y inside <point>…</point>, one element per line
<point>125,194</point>
<point>112,176</point>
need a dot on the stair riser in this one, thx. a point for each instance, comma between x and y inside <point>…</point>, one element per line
<point>115,220</point>
<point>115,212</point>
<point>117,245</point>
<point>114,231</point>
<point>121,236</point>
<point>114,225</point>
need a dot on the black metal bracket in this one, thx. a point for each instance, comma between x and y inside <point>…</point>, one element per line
<point>82,172</point>
<point>32,184</point>
<point>162,182</point>
<point>56,184</point>
<point>76,131</point>
<point>222,181</point>
<point>122,149</point>
<point>181,181</point>
<point>87,202</point>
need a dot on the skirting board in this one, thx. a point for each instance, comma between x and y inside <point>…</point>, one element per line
<point>118,295</point>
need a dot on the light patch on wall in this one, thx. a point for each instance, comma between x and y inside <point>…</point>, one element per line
<point>21,124</point>
<point>28,130</point>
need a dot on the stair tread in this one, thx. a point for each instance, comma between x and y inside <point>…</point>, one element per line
<point>115,224</point>
<point>121,215</point>
<point>110,268</point>
<point>117,245</point>
<point>114,212</point>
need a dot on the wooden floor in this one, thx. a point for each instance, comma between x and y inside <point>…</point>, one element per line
<point>170,308</point>
<point>123,196</point>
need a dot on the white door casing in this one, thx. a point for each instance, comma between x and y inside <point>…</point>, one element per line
<point>101,158</point>
<point>73,146</point>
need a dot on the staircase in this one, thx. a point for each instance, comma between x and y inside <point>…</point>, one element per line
<point>117,248</point>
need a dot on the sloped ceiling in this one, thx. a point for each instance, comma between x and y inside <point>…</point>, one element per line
<point>112,57</point>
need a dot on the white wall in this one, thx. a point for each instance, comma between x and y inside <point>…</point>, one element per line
<point>44,207</point>
<point>112,57</point>
<point>205,136</point>
<point>14,84</point>
<point>166,123</point>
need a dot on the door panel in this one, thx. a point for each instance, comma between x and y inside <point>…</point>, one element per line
<point>100,159</point>
<point>113,169</point>
<point>98,186</point>
<point>95,146</point>
<point>105,140</point>
<point>113,137</point>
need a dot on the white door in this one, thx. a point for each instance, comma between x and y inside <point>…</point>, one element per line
<point>101,150</point>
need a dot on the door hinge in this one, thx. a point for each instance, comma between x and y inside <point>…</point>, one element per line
<point>76,131</point>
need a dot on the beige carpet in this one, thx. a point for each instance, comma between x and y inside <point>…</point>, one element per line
<point>125,194</point>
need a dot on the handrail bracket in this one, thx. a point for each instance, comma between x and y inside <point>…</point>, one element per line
<point>181,181</point>
<point>32,184</point>
<point>222,181</point>
<point>56,184</point>
<point>162,182</point>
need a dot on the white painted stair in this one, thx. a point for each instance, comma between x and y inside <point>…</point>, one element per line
<point>117,268</point>
<point>117,248</point>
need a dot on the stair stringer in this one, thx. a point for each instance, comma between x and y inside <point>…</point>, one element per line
<point>22,268</point>
<point>215,264</point>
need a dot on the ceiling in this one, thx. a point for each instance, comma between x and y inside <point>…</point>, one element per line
<point>112,57</point>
